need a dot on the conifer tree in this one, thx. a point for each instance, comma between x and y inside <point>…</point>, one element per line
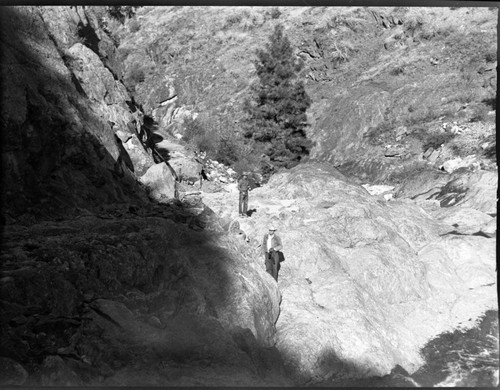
<point>276,117</point>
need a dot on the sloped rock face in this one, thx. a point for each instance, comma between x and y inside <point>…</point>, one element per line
<point>159,181</point>
<point>66,23</point>
<point>141,289</point>
<point>58,150</point>
<point>464,220</point>
<point>340,130</point>
<point>479,191</point>
<point>366,283</point>
<point>139,160</point>
<point>73,139</point>
<point>100,86</point>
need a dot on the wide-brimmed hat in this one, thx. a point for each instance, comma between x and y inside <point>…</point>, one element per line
<point>272,227</point>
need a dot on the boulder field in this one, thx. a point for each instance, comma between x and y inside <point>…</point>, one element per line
<point>366,283</point>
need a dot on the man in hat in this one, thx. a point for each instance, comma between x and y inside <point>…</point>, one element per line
<point>243,187</point>
<point>271,245</point>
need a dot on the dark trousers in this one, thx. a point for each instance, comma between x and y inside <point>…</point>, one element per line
<point>272,264</point>
<point>243,206</point>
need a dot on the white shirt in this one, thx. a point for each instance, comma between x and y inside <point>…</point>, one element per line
<point>269,242</point>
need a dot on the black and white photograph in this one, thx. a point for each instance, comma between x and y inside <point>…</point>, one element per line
<point>249,195</point>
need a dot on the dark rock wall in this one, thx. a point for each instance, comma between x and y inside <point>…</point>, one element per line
<point>58,149</point>
<point>108,293</point>
<point>96,279</point>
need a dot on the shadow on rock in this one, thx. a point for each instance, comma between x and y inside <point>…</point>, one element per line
<point>333,371</point>
<point>251,212</point>
<point>98,281</point>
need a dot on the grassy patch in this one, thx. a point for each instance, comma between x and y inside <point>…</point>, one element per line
<point>434,139</point>
<point>418,25</point>
<point>421,115</point>
<point>134,25</point>
<point>275,13</point>
<point>135,74</point>
<point>216,136</point>
<point>397,70</point>
<point>222,141</point>
<point>235,20</point>
<point>379,135</point>
<point>474,135</point>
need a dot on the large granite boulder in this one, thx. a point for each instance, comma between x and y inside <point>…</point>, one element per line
<point>159,181</point>
<point>470,162</point>
<point>182,161</point>
<point>366,283</point>
<point>139,159</point>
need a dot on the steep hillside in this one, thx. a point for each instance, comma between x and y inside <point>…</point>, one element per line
<point>390,86</point>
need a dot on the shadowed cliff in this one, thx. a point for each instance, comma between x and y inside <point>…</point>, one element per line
<point>101,283</point>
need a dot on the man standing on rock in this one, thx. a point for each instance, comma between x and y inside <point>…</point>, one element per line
<point>243,187</point>
<point>271,246</point>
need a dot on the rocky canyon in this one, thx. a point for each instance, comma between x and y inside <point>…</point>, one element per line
<point>124,260</point>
